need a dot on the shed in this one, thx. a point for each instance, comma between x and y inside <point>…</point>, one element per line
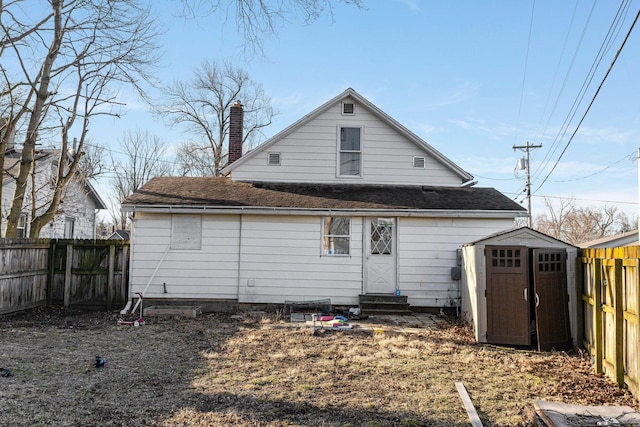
<point>519,288</point>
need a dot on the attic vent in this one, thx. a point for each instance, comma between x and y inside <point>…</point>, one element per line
<point>418,162</point>
<point>348,108</point>
<point>274,159</point>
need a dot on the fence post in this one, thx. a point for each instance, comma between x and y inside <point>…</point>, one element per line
<point>619,322</point>
<point>111,278</point>
<point>597,314</point>
<point>67,274</point>
<point>52,271</point>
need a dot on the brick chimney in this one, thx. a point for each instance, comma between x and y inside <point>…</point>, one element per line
<point>236,124</point>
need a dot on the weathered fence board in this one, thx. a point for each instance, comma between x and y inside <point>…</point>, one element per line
<point>74,273</point>
<point>611,306</point>
<point>23,274</point>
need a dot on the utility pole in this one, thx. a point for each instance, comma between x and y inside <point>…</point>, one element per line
<point>527,148</point>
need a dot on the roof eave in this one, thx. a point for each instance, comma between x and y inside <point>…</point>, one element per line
<point>263,210</point>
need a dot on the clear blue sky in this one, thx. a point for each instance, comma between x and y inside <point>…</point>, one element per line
<point>472,78</point>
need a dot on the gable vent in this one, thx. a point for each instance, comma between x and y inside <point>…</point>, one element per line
<point>348,108</point>
<point>274,159</point>
<point>418,162</point>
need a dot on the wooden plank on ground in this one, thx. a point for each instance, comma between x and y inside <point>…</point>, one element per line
<point>468,405</point>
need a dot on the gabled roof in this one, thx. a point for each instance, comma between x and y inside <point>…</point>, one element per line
<point>629,238</point>
<point>12,165</point>
<point>521,232</point>
<point>381,115</point>
<point>220,193</point>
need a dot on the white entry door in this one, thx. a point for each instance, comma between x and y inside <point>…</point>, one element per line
<point>380,238</point>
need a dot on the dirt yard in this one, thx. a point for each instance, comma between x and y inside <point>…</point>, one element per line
<point>256,370</point>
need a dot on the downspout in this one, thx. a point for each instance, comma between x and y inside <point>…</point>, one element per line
<point>239,257</point>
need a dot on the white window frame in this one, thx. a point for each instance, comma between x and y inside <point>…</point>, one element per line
<point>340,151</point>
<point>21,227</point>
<point>326,247</point>
<point>69,227</point>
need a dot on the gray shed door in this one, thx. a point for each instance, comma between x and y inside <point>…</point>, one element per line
<point>552,301</point>
<point>507,295</point>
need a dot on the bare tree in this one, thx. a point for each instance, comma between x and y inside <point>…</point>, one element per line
<point>577,224</point>
<point>143,158</point>
<point>194,159</point>
<point>202,106</point>
<point>61,63</point>
<point>256,20</point>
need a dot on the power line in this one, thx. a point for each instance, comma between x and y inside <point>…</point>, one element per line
<point>592,100</point>
<point>604,47</point>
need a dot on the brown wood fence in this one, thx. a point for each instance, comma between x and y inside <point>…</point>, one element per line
<point>611,305</point>
<point>89,274</point>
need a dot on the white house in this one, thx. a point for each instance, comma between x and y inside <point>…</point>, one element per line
<point>76,216</point>
<point>344,202</point>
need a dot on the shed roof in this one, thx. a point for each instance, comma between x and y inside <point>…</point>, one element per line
<point>223,192</point>
<point>520,231</point>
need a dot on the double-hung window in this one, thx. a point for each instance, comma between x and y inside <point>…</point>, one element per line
<point>336,235</point>
<point>350,151</point>
<point>21,228</point>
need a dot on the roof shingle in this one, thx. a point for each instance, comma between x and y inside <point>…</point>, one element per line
<point>223,192</point>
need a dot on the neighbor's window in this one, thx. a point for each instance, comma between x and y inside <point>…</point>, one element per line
<point>186,231</point>
<point>69,227</point>
<point>21,228</point>
<point>350,151</point>
<point>336,234</point>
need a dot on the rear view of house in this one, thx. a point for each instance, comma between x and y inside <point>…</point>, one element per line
<point>344,202</point>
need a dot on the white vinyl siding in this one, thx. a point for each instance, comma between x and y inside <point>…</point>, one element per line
<point>312,155</point>
<point>280,261</point>
<point>208,272</point>
<point>427,251</point>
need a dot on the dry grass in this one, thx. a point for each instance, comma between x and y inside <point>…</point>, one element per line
<point>217,371</point>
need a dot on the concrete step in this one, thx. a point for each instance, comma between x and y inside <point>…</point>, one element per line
<point>371,304</point>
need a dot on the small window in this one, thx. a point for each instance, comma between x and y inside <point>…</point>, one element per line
<point>336,235</point>
<point>54,174</point>
<point>348,108</point>
<point>273,159</point>
<point>350,152</point>
<point>21,228</point>
<point>418,162</point>
<point>69,226</point>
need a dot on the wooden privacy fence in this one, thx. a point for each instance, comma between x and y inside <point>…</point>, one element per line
<point>611,306</point>
<point>75,273</point>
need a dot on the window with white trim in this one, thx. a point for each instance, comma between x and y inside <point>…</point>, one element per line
<point>336,235</point>
<point>21,228</point>
<point>350,151</point>
<point>69,227</point>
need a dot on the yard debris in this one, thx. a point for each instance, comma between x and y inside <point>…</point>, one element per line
<point>555,414</point>
<point>5,372</point>
<point>100,361</point>
<point>468,405</point>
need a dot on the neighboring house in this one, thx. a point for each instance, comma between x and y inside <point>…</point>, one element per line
<point>119,235</point>
<point>76,216</point>
<point>344,202</point>
<point>630,238</point>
